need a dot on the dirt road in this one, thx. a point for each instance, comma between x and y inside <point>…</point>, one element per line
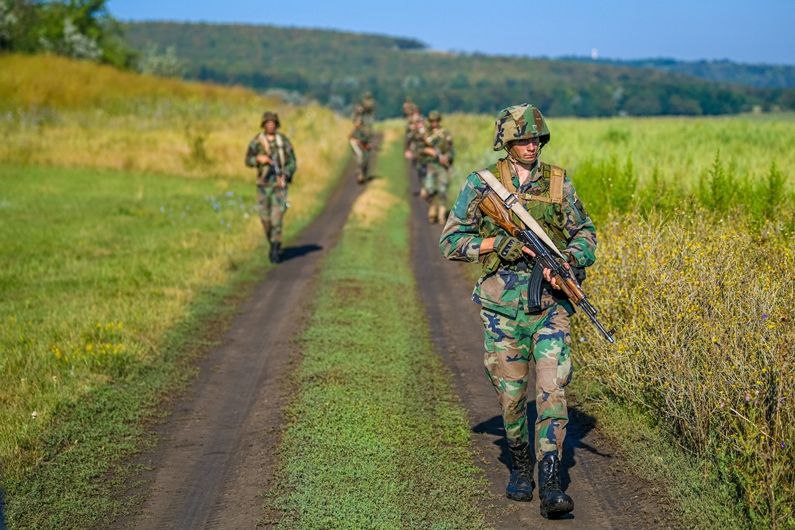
<point>211,465</point>
<point>605,494</point>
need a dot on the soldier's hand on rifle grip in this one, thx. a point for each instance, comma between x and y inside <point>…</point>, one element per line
<point>264,159</point>
<point>553,281</point>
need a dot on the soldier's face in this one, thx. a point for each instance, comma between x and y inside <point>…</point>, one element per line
<point>270,127</point>
<point>525,150</point>
<point>434,124</point>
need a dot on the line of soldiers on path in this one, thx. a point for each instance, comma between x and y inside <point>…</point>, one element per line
<point>430,151</point>
<point>522,319</point>
<point>428,148</point>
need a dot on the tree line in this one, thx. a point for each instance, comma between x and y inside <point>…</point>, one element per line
<point>335,68</point>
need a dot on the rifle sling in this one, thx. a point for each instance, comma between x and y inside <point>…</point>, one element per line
<point>511,202</point>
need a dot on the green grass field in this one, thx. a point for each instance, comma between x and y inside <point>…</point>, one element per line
<point>728,164</point>
<point>695,221</point>
<point>125,227</point>
<point>105,276</point>
<point>376,438</point>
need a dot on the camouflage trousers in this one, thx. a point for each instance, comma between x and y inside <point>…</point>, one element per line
<point>362,161</point>
<point>435,183</point>
<point>510,343</point>
<point>271,205</point>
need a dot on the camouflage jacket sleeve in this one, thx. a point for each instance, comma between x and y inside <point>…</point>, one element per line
<point>290,163</point>
<point>578,227</point>
<point>460,240</point>
<point>251,153</point>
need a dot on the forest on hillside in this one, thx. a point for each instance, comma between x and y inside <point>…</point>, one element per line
<point>335,68</point>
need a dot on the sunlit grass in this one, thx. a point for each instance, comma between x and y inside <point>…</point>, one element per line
<point>680,150</point>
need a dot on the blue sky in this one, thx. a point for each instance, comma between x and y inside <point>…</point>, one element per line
<point>745,31</point>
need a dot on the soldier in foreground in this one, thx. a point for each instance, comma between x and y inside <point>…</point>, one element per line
<point>518,322</point>
<point>273,156</point>
<point>437,156</point>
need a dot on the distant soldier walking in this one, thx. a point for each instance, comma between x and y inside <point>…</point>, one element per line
<point>361,141</point>
<point>409,108</point>
<point>273,156</point>
<point>437,156</point>
<point>524,318</point>
<point>413,144</point>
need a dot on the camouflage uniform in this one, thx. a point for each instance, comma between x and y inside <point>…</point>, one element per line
<point>365,110</point>
<point>513,334</point>
<point>409,108</point>
<point>414,142</point>
<point>271,199</point>
<point>438,141</point>
<point>361,142</point>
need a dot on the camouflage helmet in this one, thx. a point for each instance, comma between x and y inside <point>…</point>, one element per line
<point>270,116</point>
<point>519,122</point>
<point>434,115</point>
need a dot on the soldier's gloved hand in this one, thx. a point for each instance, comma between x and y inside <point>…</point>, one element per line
<point>508,248</point>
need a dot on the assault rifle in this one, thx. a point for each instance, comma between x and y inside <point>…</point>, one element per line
<point>494,207</point>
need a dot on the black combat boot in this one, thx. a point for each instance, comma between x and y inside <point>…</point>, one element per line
<point>554,503</point>
<point>276,252</point>
<point>520,485</point>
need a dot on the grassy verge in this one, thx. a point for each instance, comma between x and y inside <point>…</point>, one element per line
<point>702,499</point>
<point>376,438</point>
<point>110,281</point>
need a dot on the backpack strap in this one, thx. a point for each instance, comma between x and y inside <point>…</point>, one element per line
<point>555,175</point>
<point>504,170</point>
<point>556,184</point>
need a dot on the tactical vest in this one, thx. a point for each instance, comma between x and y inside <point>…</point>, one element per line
<point>266,145</point>
<point>545,202</point>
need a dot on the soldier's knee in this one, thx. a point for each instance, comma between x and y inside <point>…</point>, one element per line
<point>553,374</point>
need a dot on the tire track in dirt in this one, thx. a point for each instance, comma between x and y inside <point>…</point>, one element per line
<point>605,494</point>
<point>211,465</point>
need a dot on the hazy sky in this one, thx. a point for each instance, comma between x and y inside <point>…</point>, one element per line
<point>760,31</point>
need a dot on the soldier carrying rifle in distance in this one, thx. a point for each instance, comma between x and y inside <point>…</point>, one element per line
<point>522,219</point>
<point>271,153</point>
<point>436,155</point>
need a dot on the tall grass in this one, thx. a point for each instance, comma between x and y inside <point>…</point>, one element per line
<point>724,164</point>
<point>59,112</point>
<point>705,312</point>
